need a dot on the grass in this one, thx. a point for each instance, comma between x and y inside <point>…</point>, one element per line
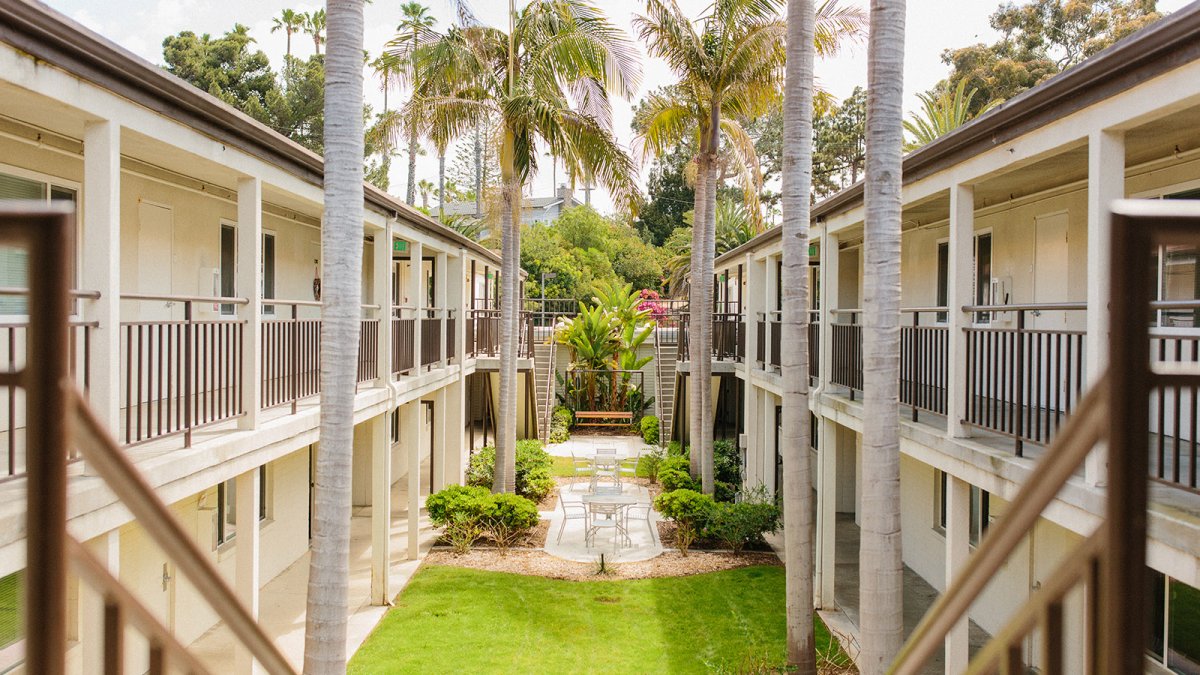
<point>1185,620</point>
<point>450,619</point>
<point>562,467</point>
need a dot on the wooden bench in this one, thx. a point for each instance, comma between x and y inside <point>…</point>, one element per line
<point>616,419</point>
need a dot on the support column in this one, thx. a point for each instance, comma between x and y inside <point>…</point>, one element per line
<point>457,298</point>
<point>416,285</point>
<point>755,308</point>
<point>830,266</point>
<point>101,269</point>
<point>107,549</point>
<point>958,547</point>
<point>382,296</point>
<point>413,442</point>
<point>381,508</point>
<point>246,552</point>
<point>826,512</point>
<point>961,256</point>
<point>1106,182</point>
<point>441,301</point>
<point>441,432</point>
<point>249,286</point>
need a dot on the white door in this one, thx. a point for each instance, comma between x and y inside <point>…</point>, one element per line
<point>1049,352</point>
<point>1050,270</point>
<point>156,225</point>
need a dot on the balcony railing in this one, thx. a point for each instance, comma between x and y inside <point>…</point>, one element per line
<point>484,331</point>
<point>431,337</point>
<point>178,375</point>
<point>403,336</point>
<point>923,359</point>
<point>728,337</point>
<point>847,338</point>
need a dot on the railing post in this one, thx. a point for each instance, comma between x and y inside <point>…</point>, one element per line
<point>189,370</point>
<point>417,294</point>
<point>914,367</point>
<point>1018,380</point>
<point>50,239</point>
<point>295,358</point>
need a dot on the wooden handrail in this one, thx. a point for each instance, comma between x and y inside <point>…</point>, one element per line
<point>102,453</point>
<point>85,295</point>
<point>186,298</point>
<point>1080,434</point>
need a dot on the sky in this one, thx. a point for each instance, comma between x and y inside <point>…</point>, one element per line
<point>141,25</point>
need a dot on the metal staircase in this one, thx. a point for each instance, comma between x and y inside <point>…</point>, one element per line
<point>666,354</point>
<point>543,376</point>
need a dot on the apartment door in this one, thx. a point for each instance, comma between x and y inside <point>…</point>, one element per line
<point>1050,270</point>
<point>156,231</point>
<point>430,442</point>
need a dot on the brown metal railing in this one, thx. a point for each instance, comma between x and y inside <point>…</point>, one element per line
<point>403,332</point>
<point>486,331</point>
<point>58,421</point>
<point>368,351</point>
<point>1022,382</point>
<point>431,337</point>
<point>814,346</point>
<point>451,343</point>
<point>1174,410</point>
<point>729,337</point>
<point>847,338</point>
<point>178,375</point>
<point>290,357</point>
<point>1110,565</point>
<point>923,360</point>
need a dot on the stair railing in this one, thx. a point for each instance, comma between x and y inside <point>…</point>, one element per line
<point>1110,564</point>
<point>58,418</point>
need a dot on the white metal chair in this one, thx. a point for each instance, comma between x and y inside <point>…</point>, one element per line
<point>607,467</point>
<point>605,517</point>
<point>643,511</point>
<point>582,467</point>
<point>571,511</point>
<point>630,465</point>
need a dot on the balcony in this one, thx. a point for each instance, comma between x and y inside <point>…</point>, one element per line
<point>769,354</point>
<point>483,331</point>
<point>728,337</point>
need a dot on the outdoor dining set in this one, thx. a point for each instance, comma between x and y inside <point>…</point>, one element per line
<point>612,502</point>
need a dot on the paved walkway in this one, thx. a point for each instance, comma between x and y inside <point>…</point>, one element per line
<point>582,444</point>
<point>644,539</point>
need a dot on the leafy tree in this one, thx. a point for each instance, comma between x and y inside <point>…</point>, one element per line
<point>298,109</point>
<point>670,196</point>
<point>839,145</point>
<point>942,114</point>
<point>224,67</point>
<point>1039,40</point>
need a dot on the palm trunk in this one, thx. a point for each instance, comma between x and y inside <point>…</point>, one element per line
<point>478,174</point>
<point>880,562</point>
<point>797,477</point>
<point>696,308</point>
<point>442,185</point>
<point>411,195</point>
<point>505,479</point>
<point>341,244</point>
<point>289,44</point>
<point>702,366</point>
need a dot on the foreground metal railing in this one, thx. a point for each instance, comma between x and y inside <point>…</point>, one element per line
<point>59,420</point>
<point>1110,565</point>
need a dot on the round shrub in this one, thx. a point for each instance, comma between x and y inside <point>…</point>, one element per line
<point>512,511</point>
<point>736,525</point>
<point>533,469</point>
<point>650,429</point>
<point>685,506</point>
<point>674,474</point>
<point>457,501</point>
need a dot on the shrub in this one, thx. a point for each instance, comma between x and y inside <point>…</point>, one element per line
<point>649,425</point>
<point>561,422</point>
<point>676,449</point>
<point>448,503</point>
<point>650,464</point>
<point>462,531</point>
<point>746,522</point>
<point>674,474</point>
<point>689,509</point>
<point>727,463</point>
<point>533,469</point>
<point>509,517</point>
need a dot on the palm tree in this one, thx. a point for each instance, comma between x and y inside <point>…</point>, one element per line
<point>387,68</point>
<point>546,81</point>
<point>942,114</point>
<point>314,25</point>
<point>730,71</point>
<point>426,189</point>
<point>341,245</point>
<point>881,575</point>
<point>289,21</point>
<point>794,439</point>
<point>735,225</point>
<point>416,25</point>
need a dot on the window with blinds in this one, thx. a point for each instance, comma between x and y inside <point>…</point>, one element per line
<point>14,262</point>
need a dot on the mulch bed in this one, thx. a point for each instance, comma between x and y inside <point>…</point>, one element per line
<point>666,534</point>
<point>534,539</point>
<point>549,502</point>
<point>542,564</point>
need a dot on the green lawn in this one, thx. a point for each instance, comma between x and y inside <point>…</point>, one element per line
<point>562,467</point>
<point>467,621</point>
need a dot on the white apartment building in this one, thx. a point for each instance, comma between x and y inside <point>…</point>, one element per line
<point>196,332</point>
<point>1008,213</point>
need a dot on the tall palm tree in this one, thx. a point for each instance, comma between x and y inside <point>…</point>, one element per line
<point>341,260</point>
<point>729,70</point>
<point>942,114</point>
<point>314,25</point>
<point>426,189</point>
<point>881,575</point>
<point>387,68</point>
<point>416,24</point>
<point>547,81</point>
<point>289,21</point>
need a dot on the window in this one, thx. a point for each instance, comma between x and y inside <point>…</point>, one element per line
<point>1178,277</point>
<point>1174,607</point>
<point>943,278</point>
<point>228,266</point>
<point>983,275</point>
<point>268,270</point>
<point>13,259</point>
<point>227,506</point>
<point>980,508</point>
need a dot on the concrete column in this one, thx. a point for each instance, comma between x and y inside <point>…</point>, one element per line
<point>441,299</point>
<point>249,286</point>
<point>457,299</point>
<point>416,285</point>
<point>961,256</point>
<point>958,547</point>
<point>100,252</point>
<point>454,438</point>
<point>382,296</point>
<point>107,549</point>
<point>441,432</point>
<point>830,264</point>
<point>756,305</point>
<point>246,552</point>
<point>1106,182</point>
<point>767,405</point>
<point>381,508</point>
<point>754,431</point>
<point>827,473</point>
<point>413,441</point>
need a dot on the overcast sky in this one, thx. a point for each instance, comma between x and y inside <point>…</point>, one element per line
<point>141,25</point>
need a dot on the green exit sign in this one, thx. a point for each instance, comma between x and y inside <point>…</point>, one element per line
<point>812,249</point>
<point>400,245</point>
